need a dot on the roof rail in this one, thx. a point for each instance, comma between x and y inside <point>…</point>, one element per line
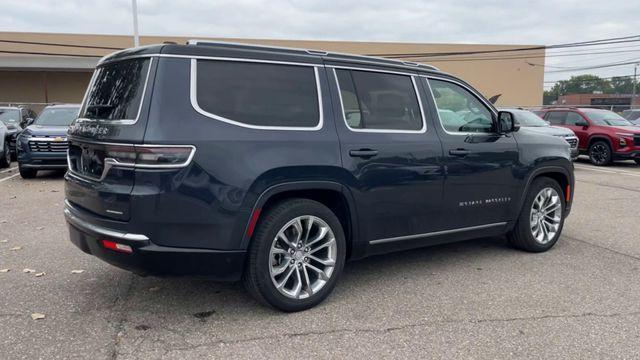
<point>311,52</point>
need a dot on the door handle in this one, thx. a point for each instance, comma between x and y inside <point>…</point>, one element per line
<point>363,153</point>
<point>459,152</point>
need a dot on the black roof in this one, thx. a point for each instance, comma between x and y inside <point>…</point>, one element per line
<point>226,49</point>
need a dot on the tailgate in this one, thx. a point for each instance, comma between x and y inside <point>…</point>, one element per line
<point>113,113</point>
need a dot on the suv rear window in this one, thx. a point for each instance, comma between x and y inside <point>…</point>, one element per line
<point>379,101</point>
<point>258,94</point>
<point>116,90</point>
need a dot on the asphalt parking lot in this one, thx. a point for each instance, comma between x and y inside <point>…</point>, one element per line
<point>478,299</point>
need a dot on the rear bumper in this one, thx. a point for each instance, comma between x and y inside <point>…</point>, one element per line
<point>148,258</point>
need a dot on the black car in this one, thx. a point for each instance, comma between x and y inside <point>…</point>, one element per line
<point>277,165</point>
<point>532,122</point>
<point>15,118</point>
<point>43,144</point>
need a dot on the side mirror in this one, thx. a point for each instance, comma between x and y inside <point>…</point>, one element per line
<point>582,123</point>
<point>507,122</point>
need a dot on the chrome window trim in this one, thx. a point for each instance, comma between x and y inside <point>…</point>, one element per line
<point>382,131</point>
<point>110,163</point>
<point>118,121</point>
<point>435,233</point>
<point>473,93</point>
<point>193,95</point>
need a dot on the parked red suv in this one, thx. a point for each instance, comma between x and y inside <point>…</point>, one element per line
<point>604,135</point>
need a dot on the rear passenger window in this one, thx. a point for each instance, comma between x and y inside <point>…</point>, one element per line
<point>379,101</point>
<point>258,94</point>
<point>572,118</point>
<point>556,117</point>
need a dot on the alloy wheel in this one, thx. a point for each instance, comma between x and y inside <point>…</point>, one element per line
<point>545,215</point>
<point>599,153</point>
<point>302,257</point>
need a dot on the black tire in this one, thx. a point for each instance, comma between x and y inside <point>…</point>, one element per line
<point>637,161</point>
<point>521,235</point>
<point>5,159</point>
<point>600,153</point>
<point>257,277</point>
<point>26,173</point>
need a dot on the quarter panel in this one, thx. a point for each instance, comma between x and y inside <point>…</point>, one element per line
<point>211,203</point>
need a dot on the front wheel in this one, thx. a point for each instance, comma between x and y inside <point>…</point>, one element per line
<point>5,159</point>
<point>26,173</point>
<point>600,153</point>
<point>296,255</point>
<point>542,217</point>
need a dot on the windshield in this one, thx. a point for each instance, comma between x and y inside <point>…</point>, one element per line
<point>61,116</point>
<point>528,119</point>
<point>10,116</point>
<point>606,117</point>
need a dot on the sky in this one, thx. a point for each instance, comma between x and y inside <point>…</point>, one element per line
<point>439,21</point>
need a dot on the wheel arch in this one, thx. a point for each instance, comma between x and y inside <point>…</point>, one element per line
<point>334,195</point>
<point>558,173</point>
<point>596,137</point>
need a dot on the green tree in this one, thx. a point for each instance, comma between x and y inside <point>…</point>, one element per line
<point>622,85</point>
<point>581,84</point>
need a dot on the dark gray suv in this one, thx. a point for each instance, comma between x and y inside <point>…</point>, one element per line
<point>277,165</point>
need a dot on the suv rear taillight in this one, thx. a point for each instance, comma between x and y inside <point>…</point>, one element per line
<point>94,160</point>
<point>149,156</point>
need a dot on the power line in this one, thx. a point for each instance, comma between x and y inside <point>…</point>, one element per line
<point>59,44</point>
<point>592,80</point>
<point>48,54</point>
<point>616,40</point>
<point>601,66</point>
<point>518,57</point>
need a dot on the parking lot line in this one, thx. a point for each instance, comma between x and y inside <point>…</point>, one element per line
<point>4,171</point>
<point>621,172</point>
<point>10,177</point>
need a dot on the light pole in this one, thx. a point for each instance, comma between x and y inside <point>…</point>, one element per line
<point>136,38</point>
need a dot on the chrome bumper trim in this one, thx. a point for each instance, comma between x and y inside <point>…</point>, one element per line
<point>83,225</point>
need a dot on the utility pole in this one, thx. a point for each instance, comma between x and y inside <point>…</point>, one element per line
<point>136,37</point>
<point>635,81</point>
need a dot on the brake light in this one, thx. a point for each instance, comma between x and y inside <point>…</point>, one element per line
<point>111,245</point>
<point>149,156</point>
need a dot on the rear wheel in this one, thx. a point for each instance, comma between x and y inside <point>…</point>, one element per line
<point>542,217</point>
<point>26,173</point>
<point>600,153</point>
<point>296,256</point>
<point>5,160</point>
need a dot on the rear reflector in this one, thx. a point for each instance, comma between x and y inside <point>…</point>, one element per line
<point>254,221</point>
<point>568,193</point>
<point>117,247</point>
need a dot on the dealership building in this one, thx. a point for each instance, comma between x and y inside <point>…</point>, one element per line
<point>39,68</point>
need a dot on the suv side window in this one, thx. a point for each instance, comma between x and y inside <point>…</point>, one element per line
<point>572,118</point>
<point>556,117</point>
<point>459,110</point>
<point>380,101</point>
<point>258,94</point>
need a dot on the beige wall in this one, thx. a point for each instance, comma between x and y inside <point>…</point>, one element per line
<point>518,82</point>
